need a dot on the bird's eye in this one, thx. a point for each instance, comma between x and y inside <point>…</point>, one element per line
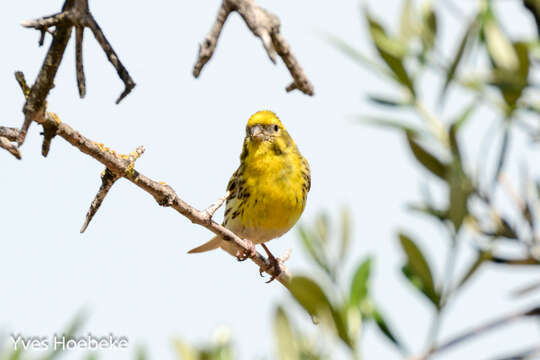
<point>276,128</point>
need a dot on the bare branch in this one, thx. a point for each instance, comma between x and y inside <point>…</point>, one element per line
<point>75,13</point>
<point>79,68</point>
<point>9,133</point>
<point>9,146</point>
<point>265,26</point>
<point>207,47</point>
<point>530,354</point>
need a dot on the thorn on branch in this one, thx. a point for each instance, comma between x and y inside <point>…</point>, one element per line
<point>265,26</point>
<point>108,178</point>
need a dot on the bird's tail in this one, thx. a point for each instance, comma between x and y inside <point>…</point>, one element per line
<point>212,244</point>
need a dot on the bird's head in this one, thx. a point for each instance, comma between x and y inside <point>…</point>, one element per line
<point>263,126</point>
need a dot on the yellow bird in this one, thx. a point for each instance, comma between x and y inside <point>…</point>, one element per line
<point>269,189</point>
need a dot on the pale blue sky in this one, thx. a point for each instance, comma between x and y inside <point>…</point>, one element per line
<point>130,269</point>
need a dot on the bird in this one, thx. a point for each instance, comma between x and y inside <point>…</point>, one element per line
<point>268,191</point>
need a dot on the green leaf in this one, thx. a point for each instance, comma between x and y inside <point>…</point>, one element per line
<point>385,101</point>
<point>382,324</point>
<point>140,353</point>
<point>313,299</point>
<point>417,269</point>
<point>185,351</point>
<point>407,25</point>
<point>391,51</point>
<point>72,329</point>
<point>465,45</point>
<point>313,248</point>
<point>429,161</point>
<point>502,153</point>
<point>360,282</point>
<point>464,116</point>
<point>285,337</point>
<point>322,225</point>
<point>345,233</point>
<point>499,47</point>
<point>16,354</point>
<point>430,210</point>
<point>460,190</point>
<point>482,257</point>
<point>357,56</point>
<point>390,123</point>
<point>429,27</point>
<point>512,82</point>
<point>534,7</point>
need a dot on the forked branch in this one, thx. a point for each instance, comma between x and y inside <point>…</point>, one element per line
<point>265,26</point>
<point>75,13</point>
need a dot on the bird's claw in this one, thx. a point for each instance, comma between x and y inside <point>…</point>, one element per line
<point>246,254</point>
<point>274,266</point>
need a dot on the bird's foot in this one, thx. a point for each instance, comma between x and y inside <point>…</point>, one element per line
<point>246,254</point>
<point>274,266</point>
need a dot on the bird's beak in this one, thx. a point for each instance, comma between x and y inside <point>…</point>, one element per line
<point>256,132</point>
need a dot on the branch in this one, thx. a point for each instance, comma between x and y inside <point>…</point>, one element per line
<point>7,135</point>
<point>75,13</point>
<point>122,166</point>
<point>534,312</point>
<point>265,26</point>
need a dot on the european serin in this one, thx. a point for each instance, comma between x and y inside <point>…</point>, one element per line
<point>268,191</point>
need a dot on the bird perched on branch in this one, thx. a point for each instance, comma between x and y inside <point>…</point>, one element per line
<point>268,191</point>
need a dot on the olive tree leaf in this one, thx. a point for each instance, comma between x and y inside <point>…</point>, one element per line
<point>429,27</point>
<point>358,57</point>
<point>391,123</point>
<point>462,52</point>
<point>386,101</point>
<point>314,248</point>
<point>345,233</point>
<point>407,25</point>
<point>314,300</point>
<point>417,270</point>
<point>481,257</point>
<point>382,324</point>
<point>391,51</point>
<point>429,161</point>
<point>500,49</point>
<point>285,337</point>
<point>360,282</point>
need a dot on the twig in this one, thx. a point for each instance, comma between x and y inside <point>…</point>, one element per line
<point>75,13</point>
<point>210,210</point>
<point>479,330</point>
<point>265,26</point>
<point>9,133</point>
<point>530,354</point>
<point>525,290</point>
<point>9,146</point>
<point>163,193</point>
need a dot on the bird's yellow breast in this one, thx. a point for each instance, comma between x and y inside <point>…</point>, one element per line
<point>275,185</point>
<point>270,192</point>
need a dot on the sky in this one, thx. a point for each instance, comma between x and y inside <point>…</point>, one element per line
<point>129,271</point>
